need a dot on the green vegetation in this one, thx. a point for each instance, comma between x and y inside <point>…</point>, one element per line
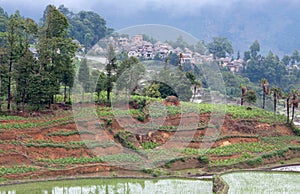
<point>149,145</point>
<point>123,137</point>
<point>69,133</point>
<point>203,160</point>
<point>70,144</point>
<point>16,170</point>
<point>169,162</point>
<point>119,158</point>
<point>239,148</point>
<point>41,123</point>
<point>38,67</point>
<point>72,160</point>
<point>94,30</point>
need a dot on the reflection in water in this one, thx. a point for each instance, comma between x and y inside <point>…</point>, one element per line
<point>108,186</point>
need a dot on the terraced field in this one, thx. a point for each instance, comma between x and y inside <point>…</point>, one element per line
<point>158,142</point>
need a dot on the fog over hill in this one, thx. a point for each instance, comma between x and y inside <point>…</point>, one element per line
<point>274,23</point>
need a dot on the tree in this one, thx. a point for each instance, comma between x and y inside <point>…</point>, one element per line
<point>201,48</point>
<point>295,57</point>
<point>152,90</point>
<point>56,52</point>
<point>100,84</point>
<point>129,73</point>
<point>179,43</point>
<point>84,76</point>
<point>265,89</point>
<point>3,73</point>
<point>86,26</point>
<point>254,49</point>
<point>243,95</point>
<point>286,60</point>
<point>268,67</point>
<point>192,78</point>
<point>250,96</point>
<point>247,55</point>
<point>3,20</point>
<point>220,47</point>
<point>287,108</point>
<point>173,58</point>
<point>238,55</point>
<point>65,57</point>
<point>25,69</point>
<point>294,103</point>
<point>110,68</point>
<point>277,93</point>
<point>16,46</point>
<point>174,83</point>
<point>68,80</point>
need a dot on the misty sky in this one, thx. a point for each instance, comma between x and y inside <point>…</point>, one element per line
<point>131,12</point>
<point>242,21</point>
<point>114,10</point>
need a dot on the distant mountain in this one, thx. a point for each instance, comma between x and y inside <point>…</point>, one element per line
<point>160,32</point>
<point>274,23</point>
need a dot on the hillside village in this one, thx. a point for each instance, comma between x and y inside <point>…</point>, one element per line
<point>136,46</point>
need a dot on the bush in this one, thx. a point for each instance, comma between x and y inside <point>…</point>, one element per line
<point>141,117</point>
<point>295,129</point>
<point>203,160</point>
<point>149,145</point>
<point>254,162</point>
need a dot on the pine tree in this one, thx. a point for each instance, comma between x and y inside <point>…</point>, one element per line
<point>100,85</point>
<point>56,52</point>
<point>84,76</point>
<point>25,69</point>
<point>16,47</point>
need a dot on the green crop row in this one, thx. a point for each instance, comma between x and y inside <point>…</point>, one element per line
<point>16,170</point>
<point>83,160</point>
<point>68,145</point>
<point>43,124</point>
<point>119,158</point>
<point>71,145</point>
<point>72,160</point>
<point>280,140</point>
<point>69,133</point>
<point>252,161</point>
<point>253,147</point>
<point>226,162</point>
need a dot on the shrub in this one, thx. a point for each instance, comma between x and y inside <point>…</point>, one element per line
<point>203,160</point>
<point>149,145</point>
<point>254,162</point>
<point>141,117</point>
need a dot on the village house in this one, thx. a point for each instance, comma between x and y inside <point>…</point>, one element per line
<point>123,41</point>
<point>137,39</point>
